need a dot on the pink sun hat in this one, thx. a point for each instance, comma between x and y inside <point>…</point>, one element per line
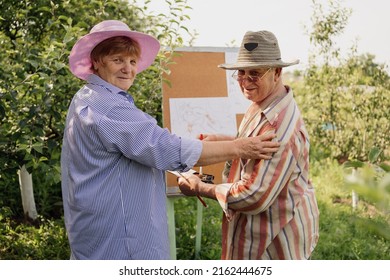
<point>80,57</point>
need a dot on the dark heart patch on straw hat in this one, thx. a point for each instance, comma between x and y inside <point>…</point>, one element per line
<point>250,46</point>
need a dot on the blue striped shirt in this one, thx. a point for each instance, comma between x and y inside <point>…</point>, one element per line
<point>113,181</point>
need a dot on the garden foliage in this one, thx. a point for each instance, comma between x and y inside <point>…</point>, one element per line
<point>344,102</point>
<point>36,38</point>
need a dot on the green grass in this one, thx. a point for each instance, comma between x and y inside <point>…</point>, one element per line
<point>345,233</point>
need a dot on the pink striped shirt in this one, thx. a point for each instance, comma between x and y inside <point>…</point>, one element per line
<point>270,206</point>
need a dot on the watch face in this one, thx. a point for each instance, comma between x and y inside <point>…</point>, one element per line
<point>206,178</point>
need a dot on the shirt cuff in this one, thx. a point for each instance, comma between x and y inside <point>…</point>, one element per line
<point>190,153</point>
<point>222,193</point>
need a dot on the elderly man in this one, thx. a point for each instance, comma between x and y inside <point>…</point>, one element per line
<point>270,208</point>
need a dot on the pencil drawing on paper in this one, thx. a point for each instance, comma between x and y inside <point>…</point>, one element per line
<point>192,116</point>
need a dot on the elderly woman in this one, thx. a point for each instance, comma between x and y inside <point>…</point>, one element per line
<point>114,155</point>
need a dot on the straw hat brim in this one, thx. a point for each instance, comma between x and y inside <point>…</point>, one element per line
<point>257,65</point>
<point>80,60</point>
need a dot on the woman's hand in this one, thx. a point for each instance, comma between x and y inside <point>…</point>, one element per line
<point>215,137</point>
<point>258,147</point>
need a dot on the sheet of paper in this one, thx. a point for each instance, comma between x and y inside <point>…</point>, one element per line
<point>193,116</point>
<point>181,174</point>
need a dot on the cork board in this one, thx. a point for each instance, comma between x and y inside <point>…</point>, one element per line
<point>201,99</point>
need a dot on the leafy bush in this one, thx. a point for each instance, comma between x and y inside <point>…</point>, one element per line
<point>44,240</point>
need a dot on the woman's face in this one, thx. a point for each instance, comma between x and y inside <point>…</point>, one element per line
<point>117,69</point>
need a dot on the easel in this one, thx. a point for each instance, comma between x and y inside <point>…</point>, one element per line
<point>195,77</point>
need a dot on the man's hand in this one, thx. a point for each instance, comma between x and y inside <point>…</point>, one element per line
<point>192,185</point>
<point>189,185</point>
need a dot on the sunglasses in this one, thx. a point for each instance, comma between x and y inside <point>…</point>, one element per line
<point>251,78</point>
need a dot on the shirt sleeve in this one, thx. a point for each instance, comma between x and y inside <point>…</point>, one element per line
<point>127,130</point>
<point>261,181</point>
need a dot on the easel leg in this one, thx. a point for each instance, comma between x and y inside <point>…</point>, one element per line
<point>171,227</point>
<point>198,237</point>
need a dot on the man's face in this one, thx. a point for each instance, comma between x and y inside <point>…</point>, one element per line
<point>256,84</point>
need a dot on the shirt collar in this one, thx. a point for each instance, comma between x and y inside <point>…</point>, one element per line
<point>96,80</point>
<point>273,110</point>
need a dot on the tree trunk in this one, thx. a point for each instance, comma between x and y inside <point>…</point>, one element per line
<point>27,192</point>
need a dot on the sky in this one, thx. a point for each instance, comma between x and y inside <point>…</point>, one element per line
<point>222,23</point>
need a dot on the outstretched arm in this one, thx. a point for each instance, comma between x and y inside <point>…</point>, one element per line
<point>259,147</point>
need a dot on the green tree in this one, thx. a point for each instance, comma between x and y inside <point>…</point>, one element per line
<point>36,37</point>
<point>345,100</point>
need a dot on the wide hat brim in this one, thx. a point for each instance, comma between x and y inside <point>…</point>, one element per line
<point>80,57</point>
<point>259,49</point>
<point>249,65</point>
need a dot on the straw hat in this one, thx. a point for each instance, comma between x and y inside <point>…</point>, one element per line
<point>258,50</point>
<point>80,57</point>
